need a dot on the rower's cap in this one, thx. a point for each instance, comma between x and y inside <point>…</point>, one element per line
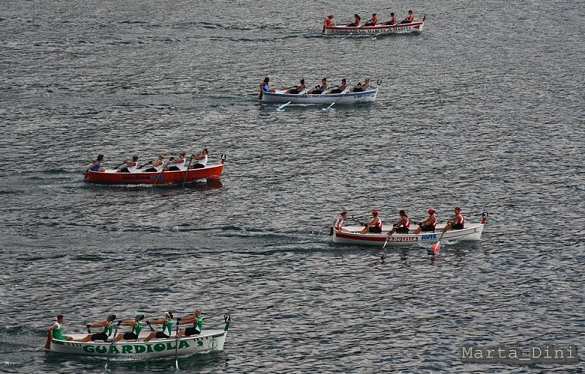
<point>111,317</point>
<point>431,211</point>
<point>139,317</point>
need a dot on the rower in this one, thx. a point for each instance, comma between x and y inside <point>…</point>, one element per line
<point>197,320</point>
<point>375,224</point>
<point>340,221</point>
<point>319,89</point>
<point>392,21</point>
<point>136,325</point>
<point>96,165</point>
<point>362,86</point>
<point>154,166</point>
<point>201,158</point>
<point>129,166</point>
<point>429,223</point>
<point>372,21</point>
<point>297,89</point>
<point>176,164</point>
<point>357,20</point>
<point>458,221</point>
<point>403,224</point>
<point>339,89</point>
<point>409,18</point>
<point>166,326</point>
<point>329,22</point>
<point>106,332</point>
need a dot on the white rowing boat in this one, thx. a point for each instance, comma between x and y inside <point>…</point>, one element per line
<point>140,350</point>
<point>353,235</point>
<point>344,98</point>
<point>381,29</point>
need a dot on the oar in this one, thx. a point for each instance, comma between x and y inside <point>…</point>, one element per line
<point>390,233</point>
<point>281,107</point>
<point>177,343</point>
<point>187,170</point>
<point>436,248</point>
<point>329,107</point>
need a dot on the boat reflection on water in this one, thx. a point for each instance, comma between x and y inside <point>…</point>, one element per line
<point>210,184</point>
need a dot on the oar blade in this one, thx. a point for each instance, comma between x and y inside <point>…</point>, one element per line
<point>436,248</point>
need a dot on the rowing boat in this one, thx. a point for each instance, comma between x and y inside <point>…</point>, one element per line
<point>155,178</point>
<point>345,98</point>
<point>140,350</point>
<point>400,28</point>
<point>353,235</point>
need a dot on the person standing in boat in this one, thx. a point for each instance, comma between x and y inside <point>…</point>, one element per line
<point>329,22</point>
<point>202,158</point>
<point>392,21</point>
<point>166,327</point>
<point>458,221</point>
<point>196,319</point>
<point>429,223</point>
<point>129,165</point>
<point>403,224</point>
<point>357,21</point>
<point>96,165</point>
<point>56,331</point>
<point>104,334</point>
<point>409,18</point>
<point>372,21</point>
<point>265,87</point>
<point>320,88</point>
<point>375,224</point>
<point>339,89</point>
<point>136,325</point>
<point>340,221</point>
<point>297,89</point>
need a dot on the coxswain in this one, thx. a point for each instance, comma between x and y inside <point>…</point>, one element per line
<point>96,164</point>
<point>372,21</point>
<point>136,325</point>
<point>341,88</point>
<point>104,334</point>
<point>129,165</point>
<point>202,158</point>
<point>55,331</point>
<point>340,221</point>
<point>375,224</point>
<point>403,224</point>
<point>265,87</point>
<point>409,18</point>
<point>197,321</point>
<point>392,21</point>
<point>297,89</point>
<point>329,22</point>
<point>166,327</point>
<point>357,21</point>
<point>429,223</point>
<point>176,164</point>
<point>458,221</point>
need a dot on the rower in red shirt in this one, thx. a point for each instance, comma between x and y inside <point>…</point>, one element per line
<point>392,21</point>
<point>357,21</point>
<point>372,21</point>
<point>409,18</point>
<point>429,223</point>
<point>403,225</point>
<point>329,22</point>
<point>375,224</point>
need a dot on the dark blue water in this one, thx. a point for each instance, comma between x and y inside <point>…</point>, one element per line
<point>484,109</point>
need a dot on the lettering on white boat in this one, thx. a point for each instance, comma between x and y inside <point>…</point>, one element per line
<point>403,239</point>
<point>135,348</point>
<point>429,237</point>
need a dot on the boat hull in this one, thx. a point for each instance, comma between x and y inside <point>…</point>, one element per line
<point>348,98</point>
<point>207,341</point>
<point>112,177</point>
<point>401,28</point>
<point>352,235</point>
